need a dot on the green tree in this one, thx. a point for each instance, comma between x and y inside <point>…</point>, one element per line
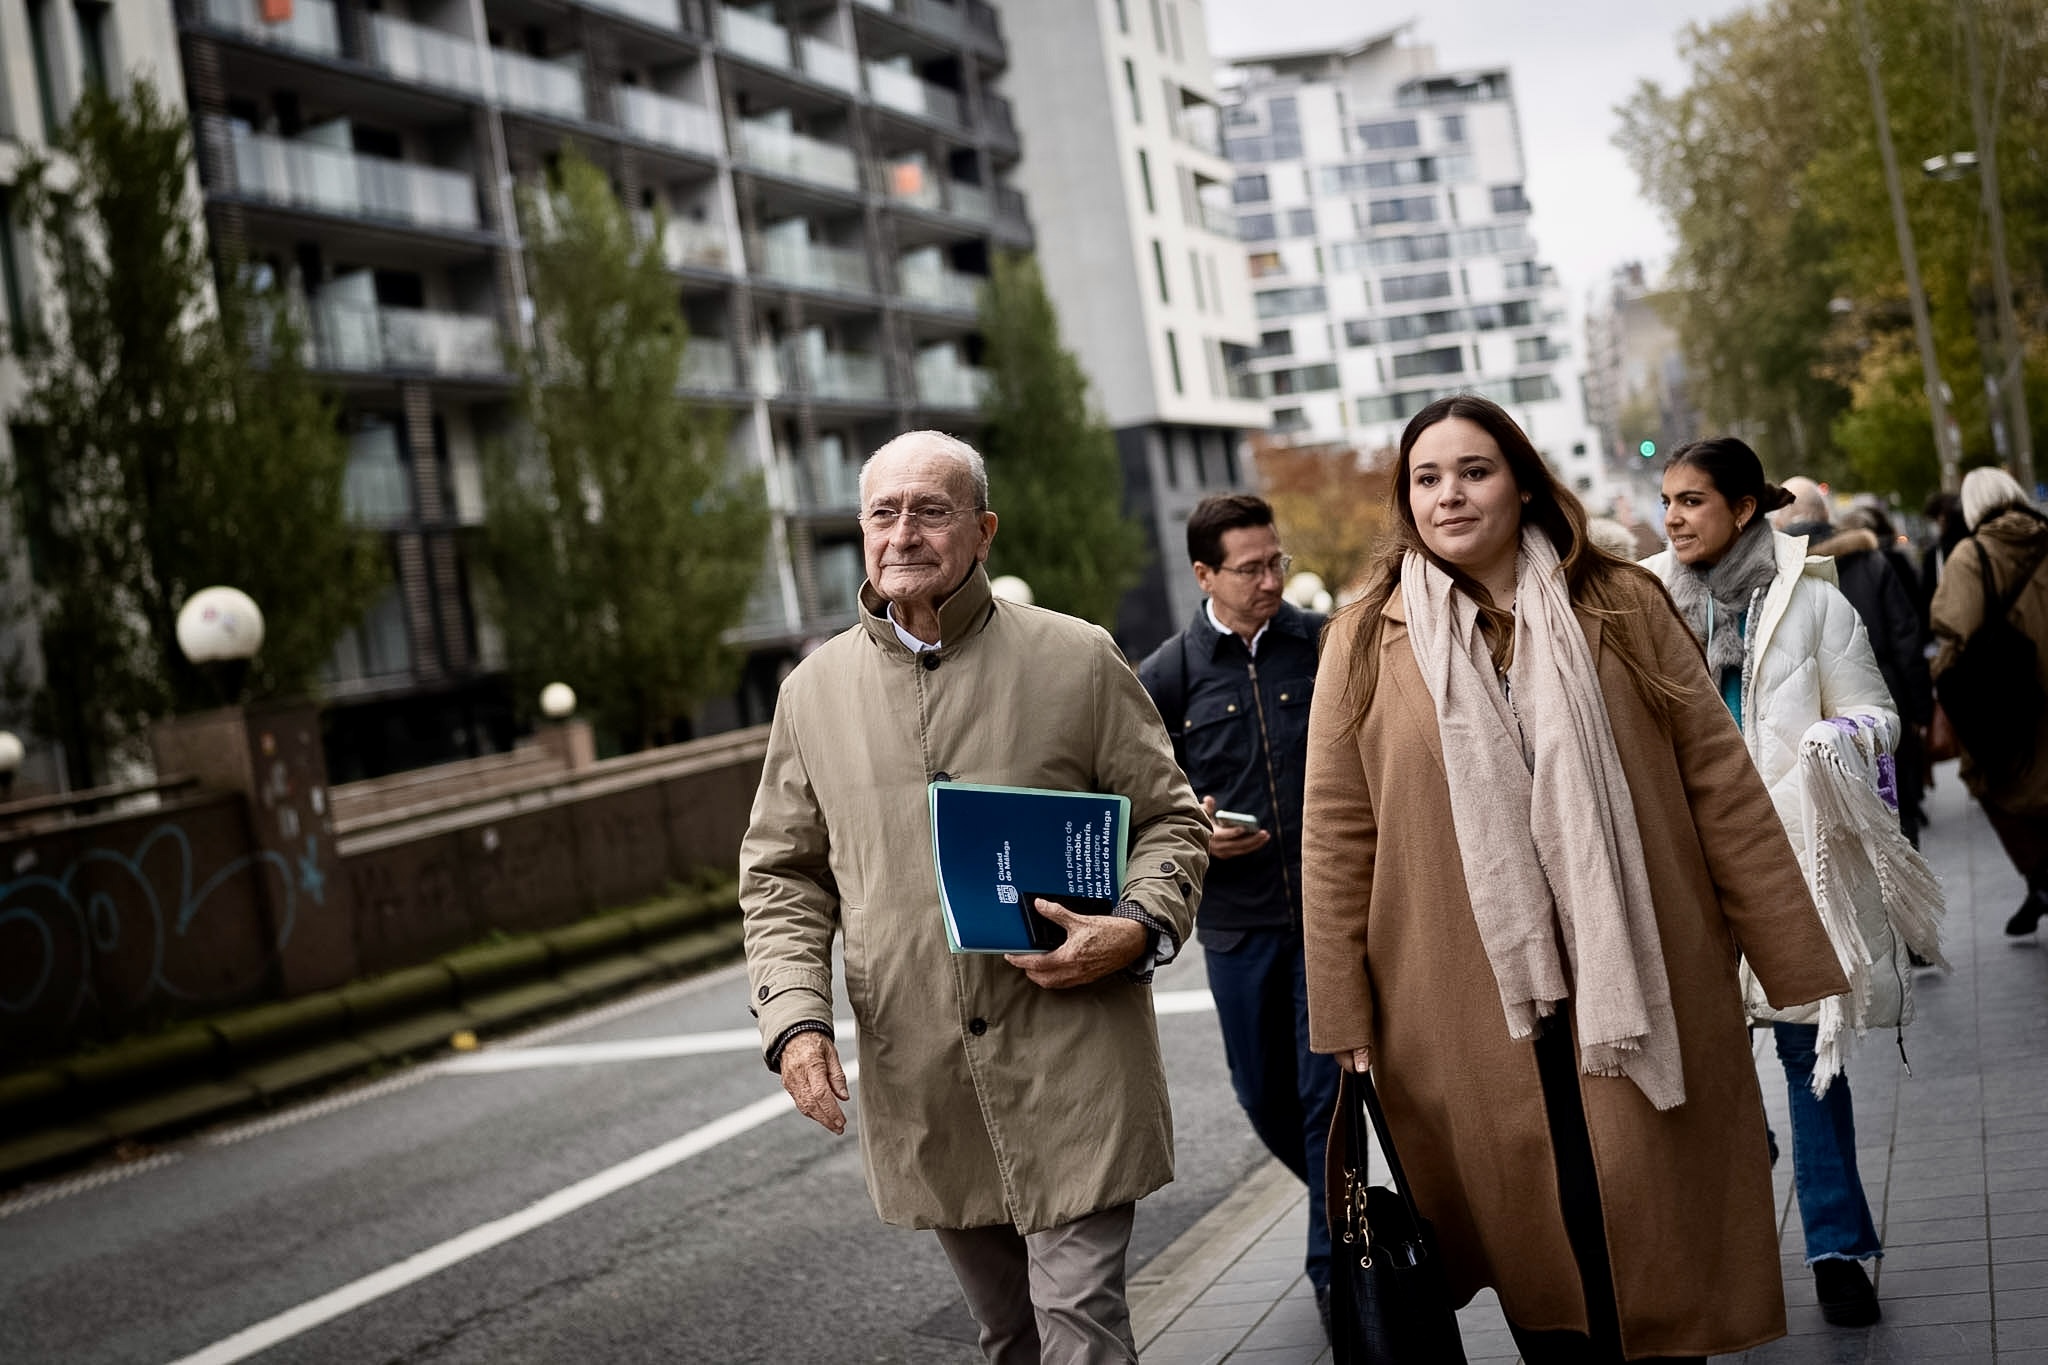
<point>170,438</point>
<point>621,546</point>
<point>1053,470</point>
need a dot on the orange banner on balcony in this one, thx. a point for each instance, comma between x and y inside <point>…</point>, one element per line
<point>906,179</point>
<point>276,11</point>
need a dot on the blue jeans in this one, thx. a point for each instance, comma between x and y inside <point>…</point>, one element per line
<point>1824,1175</point>
<point>1288,1092</point>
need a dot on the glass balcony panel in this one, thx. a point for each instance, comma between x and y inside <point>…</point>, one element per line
<point>657,13</point>
<point>1220,221</point>
<point>838,574</point>
<point>377,486</point>
<point>311,175</point>
<point>817,267</point>
<point>759,40</point>
<point>428,56</point>
<point>969,201</point>
<point>950,384</point>
<point>709,366</point>
<point>829,483</point>
<point>938,16</point>
<point>350,336</point>
<point>543,87</point>
<point>767,370</point>
<point>698,244</point>
<point>847,376</point>
<point>941,287</point>
<point>829,64</point>
<point>311,27</point>
<point>667,120</point>
<point>903,91</point>
<point>805,158</point>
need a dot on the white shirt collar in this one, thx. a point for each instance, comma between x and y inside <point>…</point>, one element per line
<point>910,642</point>
<point>1209,609</point>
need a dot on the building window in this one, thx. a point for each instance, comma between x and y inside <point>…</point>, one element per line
<point>1257,227</point>
<point>39,50</point>
<point>1264,263</point>
<point>1382,137</point>
<point>1280,303</point>
<point>1289,420</point>
<point>1417,210</point>
<point>1123,18</point>
<point>1215,288</point>
<point>10,269</point>
<point>1145,176</point>
<point>1173,359</point>
<point>1273,344</point>
<point>1195,274</point>
<point>1404,288</point>
<point>1522,274</point>
<point>1159,269</point>
<point>1131,84</point>
<point>1447,360</point>
<point>1454,127</point>
<point>1250,189</point>
<point>1301,222</point>
<point>92,42</point>
<point>1509,199</point>
<point>1158,28</point>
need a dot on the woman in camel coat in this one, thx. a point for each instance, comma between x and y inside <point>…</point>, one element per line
<point>1606,1206</point>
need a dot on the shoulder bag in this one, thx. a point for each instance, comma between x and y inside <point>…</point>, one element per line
<point>1389,1300</point>
<point>1991,691</point>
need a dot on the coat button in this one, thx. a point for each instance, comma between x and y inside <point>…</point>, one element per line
<point>977,1026</point>
<point>1283,696</point>
<point>942,776</point>
<point>763,994</point>
<point>930,660</point>
<point>1231,707</point>
<point>1166,867</point>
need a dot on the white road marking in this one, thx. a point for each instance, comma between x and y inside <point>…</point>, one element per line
<point>304,1318</point>
<point>1182,1002</point>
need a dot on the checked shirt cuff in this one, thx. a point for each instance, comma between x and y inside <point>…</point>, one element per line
<point>1161,947</point>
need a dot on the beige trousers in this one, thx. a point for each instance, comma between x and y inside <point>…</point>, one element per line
<point>1051,1298</point>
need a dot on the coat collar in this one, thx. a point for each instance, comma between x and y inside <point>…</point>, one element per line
<point>960,616</point>
<point>1289,620</point>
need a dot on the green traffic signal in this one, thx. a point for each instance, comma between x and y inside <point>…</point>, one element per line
<point>1648,450</point>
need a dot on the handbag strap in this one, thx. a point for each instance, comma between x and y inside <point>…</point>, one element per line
<point>1371,1096</point>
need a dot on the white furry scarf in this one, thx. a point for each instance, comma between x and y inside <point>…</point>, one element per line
<point>1731,588</point>
<point>1545,826</point>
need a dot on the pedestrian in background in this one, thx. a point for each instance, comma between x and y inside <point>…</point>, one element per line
<point>1234,689</point>
<point>1787,650</point>
<point>1017,1105</point>
<point>1511,730</point>
<point>2012,537</point>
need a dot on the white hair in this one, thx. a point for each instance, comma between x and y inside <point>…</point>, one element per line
<point>1808,503</point>
<point>1989,491</point>
<point>1611,536</point>
<point>935,443</point>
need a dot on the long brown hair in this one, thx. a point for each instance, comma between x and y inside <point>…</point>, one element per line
<point>1596,580</point>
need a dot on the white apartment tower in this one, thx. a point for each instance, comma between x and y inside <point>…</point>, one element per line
<point>1381,201</point>
<point>1123,164</point>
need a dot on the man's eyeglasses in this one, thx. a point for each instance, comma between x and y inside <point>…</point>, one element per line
<point>930,520</point>
<point>1277,566</point>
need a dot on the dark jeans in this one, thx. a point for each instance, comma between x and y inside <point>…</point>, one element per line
<point>1288,1092</point>
<point>1578,1190</point>
<point>1824,1174</point>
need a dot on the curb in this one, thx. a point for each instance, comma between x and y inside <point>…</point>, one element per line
<point>66,1112</point>
<point>1172,1281</point>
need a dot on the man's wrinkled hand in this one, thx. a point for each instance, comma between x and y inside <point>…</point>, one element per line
<point>1228,841</point>
<point>1096,946</point>
<point>814,1079</point>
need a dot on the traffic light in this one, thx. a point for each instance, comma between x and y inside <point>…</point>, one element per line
<point>1647,449</point>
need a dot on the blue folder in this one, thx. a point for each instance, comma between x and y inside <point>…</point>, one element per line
<point>996,849</point>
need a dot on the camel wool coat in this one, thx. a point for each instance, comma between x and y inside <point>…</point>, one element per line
<point>983,1099</point>
<point>1396,966</point>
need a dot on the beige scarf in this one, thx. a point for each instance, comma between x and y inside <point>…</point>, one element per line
<point>1545,827</point>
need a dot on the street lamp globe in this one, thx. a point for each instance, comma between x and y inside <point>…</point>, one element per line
<point>1011,588</point>
<point>557,701</point>
<point>12,752</point>
<point>1303,588</point>
<point>220,625</point>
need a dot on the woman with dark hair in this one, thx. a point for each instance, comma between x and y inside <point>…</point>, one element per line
<point>1532,844</point>
<point>1787,650</point>
<point>2009,536</point>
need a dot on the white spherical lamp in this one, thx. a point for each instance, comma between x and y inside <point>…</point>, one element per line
<point>12,753</point>
<point>220,625</point>
<point>558,701</point>
<point>1302,588</point>
<point>1011,588</point>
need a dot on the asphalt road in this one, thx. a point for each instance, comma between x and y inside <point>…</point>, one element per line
<point>752,1239</point>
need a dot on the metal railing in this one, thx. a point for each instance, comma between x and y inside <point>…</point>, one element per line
<point>817,267</point>
<point>940,287</point>
<point>541,87</point>
<point>951,385</point>
<point>658,13</point>
<point>829,64</point>
<point>311,175</point>
<point>709,366</point>
<point>760,40</point>
<point>376,490</point>
<point>427,56</point>
<point>359,337</point>
<point>910,94</point>
<point>998,120</point>
<point>667,120</point>
<point>806,158</point>
<point>687,243</point>
<point>825,484</point>
<point>312,26</point>
<point>845,376</point>
<point>767,370</point>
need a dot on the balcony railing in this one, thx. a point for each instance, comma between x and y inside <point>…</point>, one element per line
<point>846,376</point>
<point>667,120</point>
<point>311,27</point>
<point>688,243</point>
<point>359,337</point>
<point>426,56</point>
<point>709,366</point>
<point>657,13</point>
<point>767,370</point>
<point>998,121</point>
<point>838,575</point>
<point>941,288</point>
<point>308,175</point>
<point>760,40</point>
<point>377,486</point>
<point>951,385</point>
<point>1220,221</point>
<point>1198,126</point>
<point>806,158</point>
<point>909,94</point>
<point>829,64</point>
<point>540,87</point>
<point>817,267</point>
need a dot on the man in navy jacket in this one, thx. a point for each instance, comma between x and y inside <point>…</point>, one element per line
<point>1233,688</point>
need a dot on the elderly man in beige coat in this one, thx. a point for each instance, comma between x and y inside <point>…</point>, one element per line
<point>1017,1105</point>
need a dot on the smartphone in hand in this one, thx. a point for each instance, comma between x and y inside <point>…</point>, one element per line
<point>1236,819</point>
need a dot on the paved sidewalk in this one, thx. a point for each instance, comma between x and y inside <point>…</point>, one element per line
<point>1954,1158</point>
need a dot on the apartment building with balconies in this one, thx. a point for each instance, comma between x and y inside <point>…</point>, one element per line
<point>1130,191</point>
<point>51,52</point>
<point>1392,249</point>
<point>831,177</point>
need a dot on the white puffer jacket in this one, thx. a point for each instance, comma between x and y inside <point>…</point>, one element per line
<point>1806,658</point>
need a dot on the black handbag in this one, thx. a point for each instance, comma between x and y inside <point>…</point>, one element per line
<point>1991,689</point>
<point>1389,1301</point>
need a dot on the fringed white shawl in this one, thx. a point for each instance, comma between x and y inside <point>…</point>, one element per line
<point>1856,855</point>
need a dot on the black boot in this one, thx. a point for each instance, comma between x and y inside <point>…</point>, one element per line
<point>1847,1298</point>
<point>2029,914</point>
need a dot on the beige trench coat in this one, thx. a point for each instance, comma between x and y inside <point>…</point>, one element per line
<point>1395,964</point>
<point>983,1099</point>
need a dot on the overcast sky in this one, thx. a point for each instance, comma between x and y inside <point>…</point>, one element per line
<point>1569,73</point>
